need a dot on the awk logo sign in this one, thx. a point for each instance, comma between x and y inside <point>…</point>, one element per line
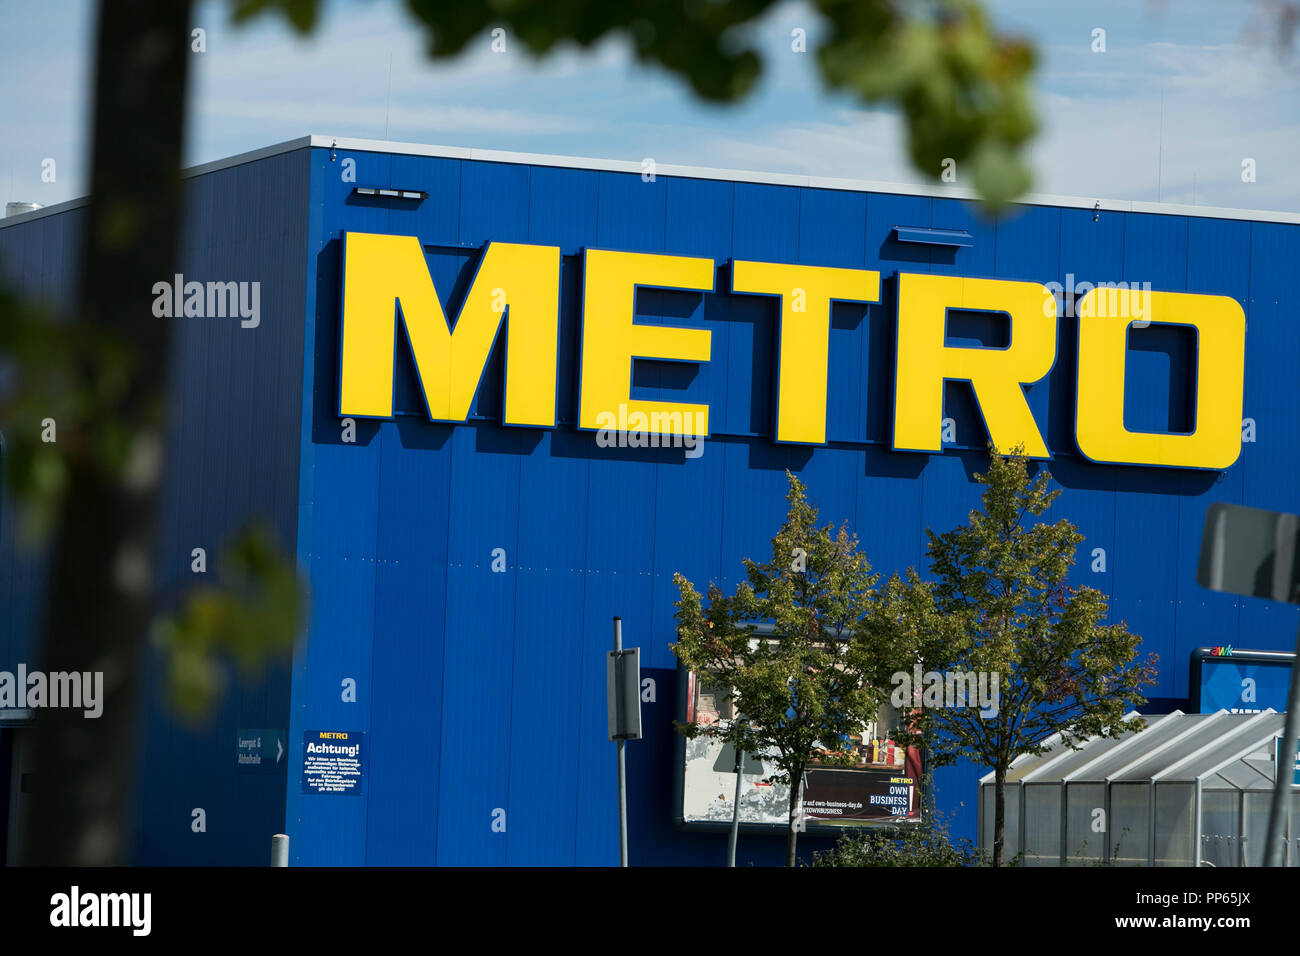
<point>385,276</point>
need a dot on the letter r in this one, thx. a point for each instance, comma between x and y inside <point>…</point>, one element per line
<point>997,375</point>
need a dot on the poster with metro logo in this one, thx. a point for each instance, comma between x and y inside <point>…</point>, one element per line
<point>879,786</point>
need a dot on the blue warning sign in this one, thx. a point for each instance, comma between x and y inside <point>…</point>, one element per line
<point>333,761</point>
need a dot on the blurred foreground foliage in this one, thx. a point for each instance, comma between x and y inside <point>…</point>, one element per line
<point>963,88</point>
<point>64,379</point>
<point>251,617</point>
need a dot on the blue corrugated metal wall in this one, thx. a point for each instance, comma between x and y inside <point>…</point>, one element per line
<point>484,691</point>
<point>481,691</point>
<point>34,258</point>
<point>232,458</point>
<point>30,264</point>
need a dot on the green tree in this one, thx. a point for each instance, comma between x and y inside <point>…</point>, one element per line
<point>801,692</point>
<point>1000,604</point>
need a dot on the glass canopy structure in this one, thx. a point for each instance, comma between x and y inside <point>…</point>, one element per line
<point>1185,790</point>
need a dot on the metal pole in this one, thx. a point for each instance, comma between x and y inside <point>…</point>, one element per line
<point>622,766</point>
<point>735,811</point>
<point>280,850</point>
<point>1277,813</point>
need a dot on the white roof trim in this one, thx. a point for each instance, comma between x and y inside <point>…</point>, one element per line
<point>43,212</point>
<point>793,179</point>
<point>252,156</point>
<point>694,172</point>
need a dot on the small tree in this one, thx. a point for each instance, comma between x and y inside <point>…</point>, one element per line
<point>802,691</point>
<point>1000,606</point>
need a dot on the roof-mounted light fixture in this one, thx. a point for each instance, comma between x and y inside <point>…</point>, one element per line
<point>416,195</point>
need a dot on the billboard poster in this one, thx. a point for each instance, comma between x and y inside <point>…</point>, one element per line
<point>880,785</point>
<point>852,795</point>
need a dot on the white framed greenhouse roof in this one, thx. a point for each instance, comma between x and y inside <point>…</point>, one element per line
<point>1185,789</point>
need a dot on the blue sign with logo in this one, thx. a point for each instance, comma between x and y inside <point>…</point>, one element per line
<point>333,761</point>
<point>1241,682</point>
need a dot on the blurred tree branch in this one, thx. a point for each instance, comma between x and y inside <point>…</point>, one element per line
<point>963,88</point>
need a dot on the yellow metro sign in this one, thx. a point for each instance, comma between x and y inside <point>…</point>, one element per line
<point>520,285</point>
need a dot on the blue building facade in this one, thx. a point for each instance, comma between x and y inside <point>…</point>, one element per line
<point>463,576</point>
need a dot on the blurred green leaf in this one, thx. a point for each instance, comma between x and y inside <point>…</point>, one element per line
<point>301,14</point>
<point>250,618</point>
<point>963,89</point>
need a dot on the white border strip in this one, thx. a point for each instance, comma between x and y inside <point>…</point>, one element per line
<point>791,179</point>
<point>691,172</point>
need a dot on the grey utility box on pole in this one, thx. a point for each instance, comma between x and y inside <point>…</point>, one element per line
<point>1256,553</point>
<point>623,688</point>
<point>623,693</point>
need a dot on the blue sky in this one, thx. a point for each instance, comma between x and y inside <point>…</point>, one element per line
<point>1227,94</point>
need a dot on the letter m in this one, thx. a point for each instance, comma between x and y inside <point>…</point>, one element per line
<point>65,688</point>
<point>118,907</point>
<point>386,280</point>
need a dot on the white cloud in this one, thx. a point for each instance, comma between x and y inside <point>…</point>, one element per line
<point>850,144</point>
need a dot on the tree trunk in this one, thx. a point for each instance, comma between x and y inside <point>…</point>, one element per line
<point>796,802</point>
<point>100,582</point>
<point>999,812</point>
